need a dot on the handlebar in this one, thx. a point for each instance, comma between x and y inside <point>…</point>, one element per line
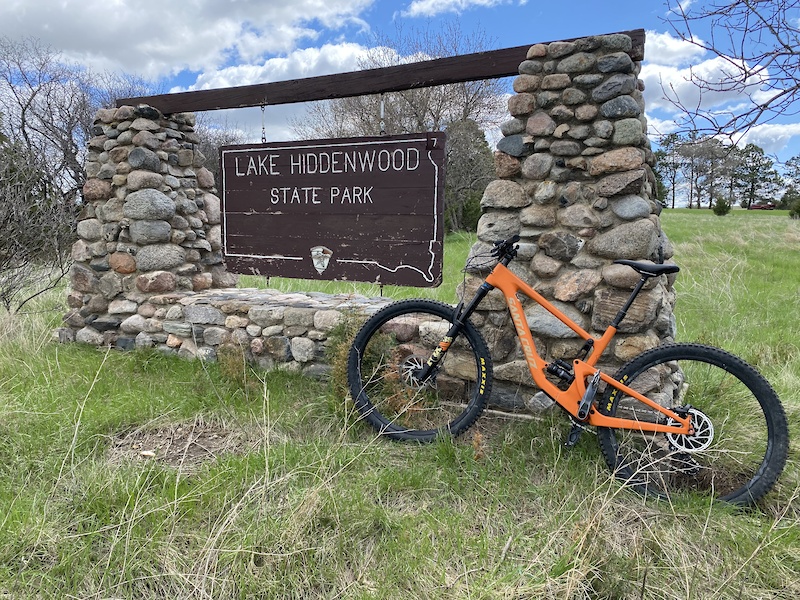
<point>506,250</point>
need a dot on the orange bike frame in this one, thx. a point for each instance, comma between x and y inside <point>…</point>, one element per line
<point>503,279</point>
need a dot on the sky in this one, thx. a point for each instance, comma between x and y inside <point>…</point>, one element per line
<point>205,44</point>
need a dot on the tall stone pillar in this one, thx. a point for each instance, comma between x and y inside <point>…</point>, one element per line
<point>149,227</point>
<point>575,181</point>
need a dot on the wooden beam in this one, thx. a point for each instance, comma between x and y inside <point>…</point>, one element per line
<point>491,64</point>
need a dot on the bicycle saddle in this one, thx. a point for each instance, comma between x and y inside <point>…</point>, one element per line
<point>648,269</point>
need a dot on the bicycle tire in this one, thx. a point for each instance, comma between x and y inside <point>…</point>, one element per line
<point>742,437</point>
<point>400,338</point>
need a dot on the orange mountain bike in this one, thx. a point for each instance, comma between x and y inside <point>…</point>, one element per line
<point>677,418</point>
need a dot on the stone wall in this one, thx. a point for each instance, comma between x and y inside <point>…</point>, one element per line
<point>575,181</point>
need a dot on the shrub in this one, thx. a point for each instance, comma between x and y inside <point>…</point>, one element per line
<point>721,207</point>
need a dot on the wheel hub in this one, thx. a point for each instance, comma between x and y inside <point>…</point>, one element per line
<point>698,441</point>
<point>410,369</point>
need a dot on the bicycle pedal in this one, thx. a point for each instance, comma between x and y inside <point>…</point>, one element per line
<point>573,436</point>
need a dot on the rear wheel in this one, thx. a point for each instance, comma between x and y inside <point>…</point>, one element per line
<point>386,357</point>
<point>740,442</point>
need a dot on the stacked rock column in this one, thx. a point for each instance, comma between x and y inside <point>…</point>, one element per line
<point>575,181</point>
<point>150,225</point>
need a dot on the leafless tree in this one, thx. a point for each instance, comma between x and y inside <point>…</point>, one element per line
<point>758,41</point>
<point>440,108</point>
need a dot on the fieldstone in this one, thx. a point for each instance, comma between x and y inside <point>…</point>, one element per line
<point>494,226</point>
<point>148,204</point>
<point>142,158</point>
<point>506,165</point>
<point>178,328</point>
<point>560,49</point>
<point>576,284</point>
<point>616,41</point>
<point>83,279</point>
<point>603,129</point>
<point>527,83</point>
<point>616,62</point>
<point>537,166</point>
<point>90,230</point>
<point>588,80</point>
<point>134,324</point>
<point>81,252</point>
<point>122,306</point>
<point>620,107</point>
<point>545,192</point>
<point>561,112</point>
<point>578,216</point>
<point>160,257</point>
<point>122,262</point>
<point>573,96</point>
<point>545,324</point>
<point>565,148</point>
<point>631,207</point>
<point>502,193</point>
<point>641,314</point>
<point>205,178</point>
<point>515,145</point>
<point>616,85</point>
<point>512,126</point>
<point>629,347</point>
<point>633,241</point>
<point>96,189</point>
<point>530,67</point>
<point>538,216</point>
<point>540,124</point>
<point>279,348</point>
<point>628,132</point>
<point>146,139</point>
<point>577,63</point>
<point>521,104</point>
<point>221,278</point>
<point>145,124</point>
<point>266,316</point>
<point>144,340</point>
<point>149,232</point>
<point>629,182</point>
<point>156,282</point>
<point>214,336</point>
<point>327,320</point>
<point>556,81</point>
<point>303,349</point>
<point>560,245</point>
<point>206,315</point>
<point>622,276</point>
<point>110,285</point>
<point>202,281</point>
<point>537,51</point>
<point>622,159</point>
<point>90,336</point>
<point>138,180</point>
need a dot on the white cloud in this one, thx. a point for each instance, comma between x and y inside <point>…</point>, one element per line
<point>664,49</point>
<point>772,137</point>
<point>431,8</point>
<point>154,38</point>
<point>308,62</point>
<point>666,86</point>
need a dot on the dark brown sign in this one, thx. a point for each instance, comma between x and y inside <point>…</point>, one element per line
<point>359,209</point>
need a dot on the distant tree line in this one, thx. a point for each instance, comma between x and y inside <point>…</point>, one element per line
<point>703,172</point>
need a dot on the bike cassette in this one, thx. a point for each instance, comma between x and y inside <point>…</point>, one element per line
<point>702,437</point>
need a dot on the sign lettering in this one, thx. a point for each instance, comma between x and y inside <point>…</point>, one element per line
<point>360,209</point>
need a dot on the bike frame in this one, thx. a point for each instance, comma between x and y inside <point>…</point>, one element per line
<point>570,399</point>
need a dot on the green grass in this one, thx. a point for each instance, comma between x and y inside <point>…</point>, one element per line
<point>294,499</point>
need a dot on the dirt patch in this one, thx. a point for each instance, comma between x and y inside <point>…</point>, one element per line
<point>186,445</point>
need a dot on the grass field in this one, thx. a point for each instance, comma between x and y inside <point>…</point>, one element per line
<point>263,485</point>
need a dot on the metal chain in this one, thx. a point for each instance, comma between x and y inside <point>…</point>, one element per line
<point>263,124</point>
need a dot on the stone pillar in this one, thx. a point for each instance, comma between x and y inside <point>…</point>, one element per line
<point>149,226</point>
<point>575,181</point>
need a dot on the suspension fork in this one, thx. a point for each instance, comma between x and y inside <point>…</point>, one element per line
<point>460,316</point>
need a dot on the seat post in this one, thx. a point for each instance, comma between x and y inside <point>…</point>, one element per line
<point>624,310</point>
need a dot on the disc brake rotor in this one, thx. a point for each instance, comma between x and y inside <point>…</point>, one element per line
<point>410,368</point>
<point>700,440</point>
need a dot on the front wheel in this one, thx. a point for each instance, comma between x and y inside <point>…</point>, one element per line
<point>741,438</point>
<point>388,354</point>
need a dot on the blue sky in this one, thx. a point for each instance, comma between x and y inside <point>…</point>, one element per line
<point>201,44</point>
